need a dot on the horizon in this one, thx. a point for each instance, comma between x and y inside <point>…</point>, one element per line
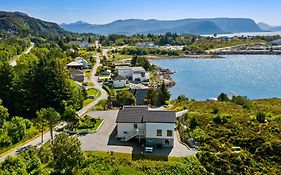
<point>103,12</point>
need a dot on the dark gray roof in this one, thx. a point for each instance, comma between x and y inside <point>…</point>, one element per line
<point>141,114</point>
<point>118,77</point>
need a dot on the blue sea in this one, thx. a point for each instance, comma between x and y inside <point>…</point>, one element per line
<point>254,76</point>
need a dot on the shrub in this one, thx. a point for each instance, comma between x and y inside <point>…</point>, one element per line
<point>223,97</point>
<point>261,117</point>
<point>219,119</point>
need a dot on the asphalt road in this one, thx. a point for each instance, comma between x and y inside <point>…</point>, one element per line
<point>97,85</point>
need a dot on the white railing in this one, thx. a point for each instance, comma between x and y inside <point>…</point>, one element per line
<point>134,133</point>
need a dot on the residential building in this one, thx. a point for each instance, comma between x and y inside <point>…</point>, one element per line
<point>136,74</point>
<point>155,127</point>
<point>77,75</point>
<point>74,65</point>
<point>145,45</point>
<point>82,61</point>
<point>119,81</point>
<point>276,43</point>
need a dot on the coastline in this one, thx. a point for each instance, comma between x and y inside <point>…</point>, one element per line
<point>190,56</point>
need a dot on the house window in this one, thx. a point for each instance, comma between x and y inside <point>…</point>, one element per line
<point>125,132</point>
<point>135,126</point>
<point>169,133</point>
<point>159,132</point>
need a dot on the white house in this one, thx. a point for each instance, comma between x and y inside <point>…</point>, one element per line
<point>82,61</point>
<point>136,74</point>
<point>157,128</point>
<point>145,45</point>
<point>119,81</point>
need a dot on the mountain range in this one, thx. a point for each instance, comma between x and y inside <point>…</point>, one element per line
<point>270,28</point>
<point>17,22</point>
<point>152,26</point>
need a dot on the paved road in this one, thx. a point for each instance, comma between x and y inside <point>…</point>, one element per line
<point>97,85</point>
<point>34,142</point>
<point>105,139</point>
<point>14,61</point>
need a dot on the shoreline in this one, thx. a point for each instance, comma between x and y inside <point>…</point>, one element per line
<point>190,56</point>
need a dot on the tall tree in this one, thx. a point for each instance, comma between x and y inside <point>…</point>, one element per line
<point>67,153</point>
<point>163,94</point>
<point>125,98</point>
<point>50,116</point>
<point>4,114</point>
<point>41,122</point>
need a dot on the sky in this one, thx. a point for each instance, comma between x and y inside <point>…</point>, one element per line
<point>105,11</point>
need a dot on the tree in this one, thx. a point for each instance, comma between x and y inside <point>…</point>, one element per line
<point>67,153</point>
<point>182,98</point>
<point>125,98</point>
<point>261,117</point>
<point>41,123</point>
<point>193,123</point>
<point>163,95</point>
<point>223,97</point>
<point>7,76</point>
<point>70,116</point>
<point>151,97</point>
<point>13,165</point>
<point>4,114</point>
<point>50,116</point>
<point>16,129</point>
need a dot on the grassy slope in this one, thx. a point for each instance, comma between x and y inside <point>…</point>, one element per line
<point>242,129</point>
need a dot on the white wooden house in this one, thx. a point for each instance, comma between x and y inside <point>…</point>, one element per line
<point>157,128</point>
<point>136,74</point>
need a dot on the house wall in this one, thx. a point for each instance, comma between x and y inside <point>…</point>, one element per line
<point>127,127</point>
<point>119,83</point>
<point>151,134</point>
<point>151,129</point>
<point>127,73</point>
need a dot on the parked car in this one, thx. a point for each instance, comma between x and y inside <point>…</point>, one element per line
<point>23,148</point>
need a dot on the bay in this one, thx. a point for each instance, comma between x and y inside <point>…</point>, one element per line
<point>254,76</point>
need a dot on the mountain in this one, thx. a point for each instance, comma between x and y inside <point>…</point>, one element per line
<point>264,26</point>
<point>183,26</point>
<point>276,29</point>
<point>17,22</point>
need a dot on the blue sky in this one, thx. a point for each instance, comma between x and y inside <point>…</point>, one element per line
<point>104,11</point>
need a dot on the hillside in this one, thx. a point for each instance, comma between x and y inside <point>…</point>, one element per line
<point>16,22</point>
<point>184,26</point>
<point>267,27</point>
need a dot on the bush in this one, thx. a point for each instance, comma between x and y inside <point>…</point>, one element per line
<point>261,117</point>
<point>218,119</point>
<point>223,97</point>
<point>28,123</point>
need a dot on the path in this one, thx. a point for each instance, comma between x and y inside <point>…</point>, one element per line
<point>13,62</point>
<point>35,142</point>
<point>97,85</point>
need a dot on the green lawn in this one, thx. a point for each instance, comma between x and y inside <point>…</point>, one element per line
<point>87,101</point>
<point>101,105</point>
<point>97,124</point>
<point>90,84</point>
<point>94,92</point>
<point>91,92</point>
<point>121,89</point>
<point>119,56</point>
<point>88,74</point>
